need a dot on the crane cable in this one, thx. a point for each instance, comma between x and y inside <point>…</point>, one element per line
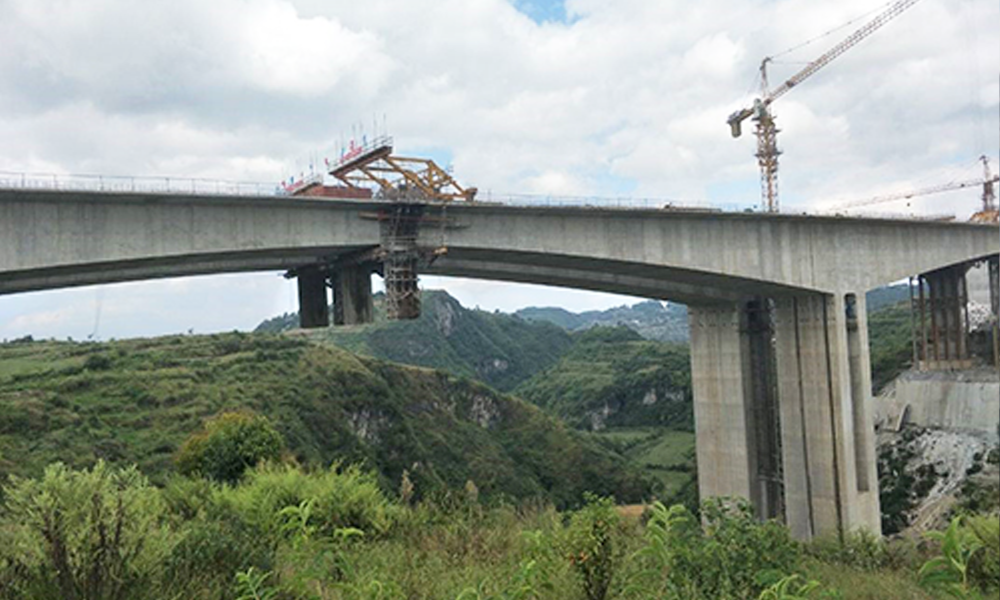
<point>830,32</point>
<point>753,86</point>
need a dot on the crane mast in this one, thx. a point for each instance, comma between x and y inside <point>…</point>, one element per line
<point>989,212</point>
<point>765,130</point>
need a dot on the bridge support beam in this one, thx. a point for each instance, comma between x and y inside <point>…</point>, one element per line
<point>828,442</point>
<point>314,310</point>
<point>352,295</point>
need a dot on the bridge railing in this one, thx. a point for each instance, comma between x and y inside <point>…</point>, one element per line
<point>133,184</point>
<point>223,187</point>
<point>622,202</point>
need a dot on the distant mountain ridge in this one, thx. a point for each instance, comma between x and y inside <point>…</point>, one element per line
<point>653,320</point>
<point>667,322</point>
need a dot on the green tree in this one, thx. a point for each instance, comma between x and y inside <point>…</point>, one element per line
<point>230,443</point>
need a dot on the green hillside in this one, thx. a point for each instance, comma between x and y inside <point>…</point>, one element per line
<point>890,340</point>
<point>135,401</point>
<point>611,377</point>
<point>498,349</point>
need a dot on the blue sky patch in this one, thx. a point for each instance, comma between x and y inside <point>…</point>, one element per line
<point>543,11</point>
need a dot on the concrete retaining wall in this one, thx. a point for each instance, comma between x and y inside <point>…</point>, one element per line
<point>961,400</point>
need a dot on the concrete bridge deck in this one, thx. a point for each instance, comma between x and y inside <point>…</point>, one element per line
<point>51,239</point>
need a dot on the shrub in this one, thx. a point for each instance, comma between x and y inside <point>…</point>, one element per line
<point>860,549</point>
<point>97,362</point>
<point>591,545</point>
<point>82,535</point>
<point>230,443</point>
<point>984,567</point>
<point>730,556</point>
<point>340,498</point>
<point>212,547</point>
<point>949,571</point>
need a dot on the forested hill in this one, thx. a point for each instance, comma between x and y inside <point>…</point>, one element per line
<point>499,349</point>
<point>612,377</point>
<point>568,363</point>
<point>135,401</point>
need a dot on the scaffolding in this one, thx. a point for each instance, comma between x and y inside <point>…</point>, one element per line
<point>766,415</point>
<point>417,192</point>
<point>400,260</point>
<point>940,319</point>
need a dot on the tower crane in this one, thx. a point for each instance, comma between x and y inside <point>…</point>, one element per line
<point>988,213</point>
<point>766,132</point>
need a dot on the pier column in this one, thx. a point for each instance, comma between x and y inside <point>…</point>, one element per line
<point>944,319</point>
<point>735,405</point>
<point>314,310</point>
<point>722,408</point>
<point>352,295</point>
<point>828,446</point>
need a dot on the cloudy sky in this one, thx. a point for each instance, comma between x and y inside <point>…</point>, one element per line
<point>582,97</point>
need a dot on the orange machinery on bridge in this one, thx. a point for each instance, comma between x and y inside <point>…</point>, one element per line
<point>370,170</point>
<point>410,186</point>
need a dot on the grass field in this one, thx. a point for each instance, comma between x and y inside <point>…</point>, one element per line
<point>666,454</point>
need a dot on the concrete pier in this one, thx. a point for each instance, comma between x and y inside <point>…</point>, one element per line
<point>314,309</point>
<point>720,380</point>
<point>352,295</point>
<point>812,463</point>
<point>824,389</point>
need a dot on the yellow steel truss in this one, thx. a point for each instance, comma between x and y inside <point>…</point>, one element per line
<point>401,178</point>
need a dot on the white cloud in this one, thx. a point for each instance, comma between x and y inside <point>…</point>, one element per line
<point>630,95</point>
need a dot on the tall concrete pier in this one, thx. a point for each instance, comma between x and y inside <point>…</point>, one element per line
<point>815,460</point>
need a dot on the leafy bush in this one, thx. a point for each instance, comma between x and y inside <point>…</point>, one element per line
<point>230,443</point>
<point>859,549</point>
<point>949,571</point>
<point>212,547</point>
<point>591,545</point>
<point>82,535</point>
<point>731,556</point>
<point>984,567</point>
<point>790,588</point>
<point>339,498</point>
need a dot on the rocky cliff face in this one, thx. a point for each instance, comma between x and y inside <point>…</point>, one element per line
<point>925,474</point>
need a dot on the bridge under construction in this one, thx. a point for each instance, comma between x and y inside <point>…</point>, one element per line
<point>779,346</point>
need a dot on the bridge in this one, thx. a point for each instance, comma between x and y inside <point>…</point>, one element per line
<point>779,341</point>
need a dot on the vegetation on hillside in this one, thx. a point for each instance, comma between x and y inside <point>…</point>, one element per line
<point>651,319</point>
<point>664,453</point>
<point>135,401</point>
<point>275,467</point>
<point>611,377</point>
<point>285,533</point>
<point>890,341</point>
<point>498,349</point>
